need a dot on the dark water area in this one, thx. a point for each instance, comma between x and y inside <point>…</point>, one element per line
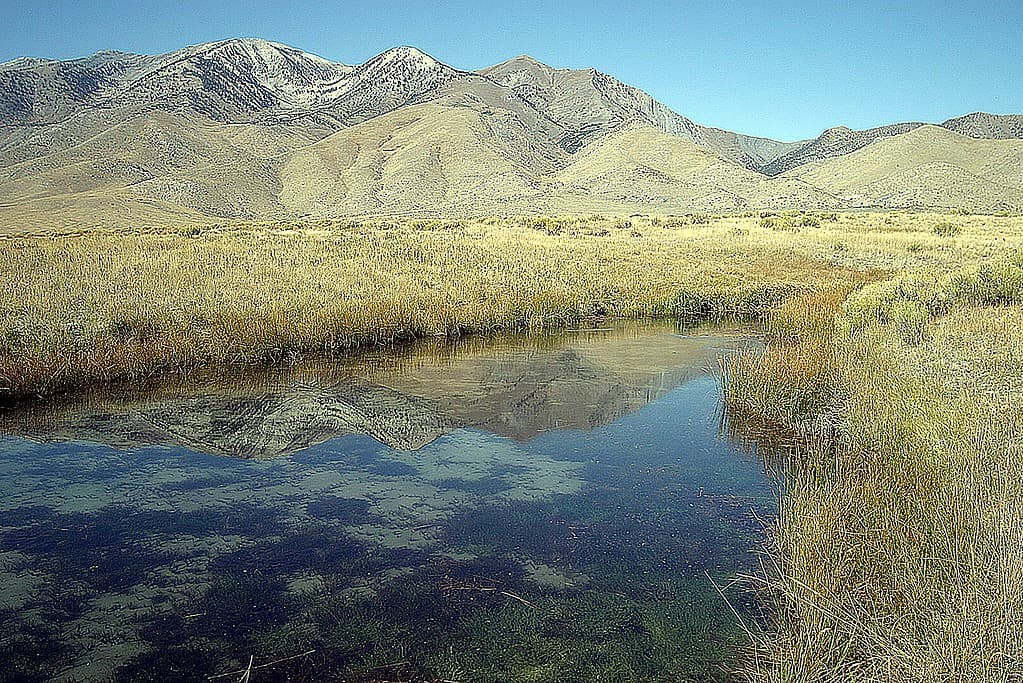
<point>556,508</point>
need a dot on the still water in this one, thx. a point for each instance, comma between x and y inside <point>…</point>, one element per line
<point>557,508</point>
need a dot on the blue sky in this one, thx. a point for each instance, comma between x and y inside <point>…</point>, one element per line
<point>781,69</point>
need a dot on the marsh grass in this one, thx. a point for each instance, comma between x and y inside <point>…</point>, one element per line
<point>899,553</point>
<point>101,307</point>
<point>793,386</point>
<point>94,306</point>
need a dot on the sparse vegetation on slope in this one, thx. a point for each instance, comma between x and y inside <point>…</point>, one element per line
<point>252,130</point>
<point>926,167</point>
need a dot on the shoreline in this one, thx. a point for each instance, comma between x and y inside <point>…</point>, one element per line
<point>100,308</point>
<point>893,342</point>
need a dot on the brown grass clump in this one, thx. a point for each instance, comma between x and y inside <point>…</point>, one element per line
<point>796,381</point>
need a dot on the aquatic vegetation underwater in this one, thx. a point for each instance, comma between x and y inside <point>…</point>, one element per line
<point>571,555</point>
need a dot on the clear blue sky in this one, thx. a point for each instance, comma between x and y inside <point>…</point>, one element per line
<point>781,69</point>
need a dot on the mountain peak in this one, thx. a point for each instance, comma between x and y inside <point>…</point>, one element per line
<point>405,63</point>
<point>254,45</point>
<point>526,60</point>
<point>250,41</point>
<point>25,62</point>
<point>247,42</point>
<point>116,54</point>
<point>519,64</point>
<point>259,49</point>
<point>406,54</point>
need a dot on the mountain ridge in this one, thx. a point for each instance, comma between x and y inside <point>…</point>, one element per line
<point>975,124</point>
<point>250,128</point>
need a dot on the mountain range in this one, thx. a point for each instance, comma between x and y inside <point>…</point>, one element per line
<point>255,130</point>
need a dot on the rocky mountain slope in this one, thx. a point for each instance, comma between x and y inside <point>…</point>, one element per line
<point>589,104</point>
<point>839,141</point>
<point>251,129</point>
<point>232,81</point>
<point>987,126</point>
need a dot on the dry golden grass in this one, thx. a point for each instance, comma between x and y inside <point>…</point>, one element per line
<point>101,305</point>
<point>899,549</point>
<point>111,305</point>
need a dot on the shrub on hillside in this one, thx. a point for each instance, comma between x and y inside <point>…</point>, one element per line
<point>947,229</point>
<point>783,223</point>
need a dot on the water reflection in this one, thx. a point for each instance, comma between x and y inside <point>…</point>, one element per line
<point>544,509</point>
<point>515,386</point>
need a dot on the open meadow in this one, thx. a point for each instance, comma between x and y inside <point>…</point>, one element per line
<point>888,394</point>
<point>105,305</point>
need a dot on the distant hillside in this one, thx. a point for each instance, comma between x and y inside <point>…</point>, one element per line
<point>839,141</point>
<point>644,165</point>
<point>418,159</point>
<point>588,104</point>
<point>987,126</point>
<point>833,142</point>
<point>928,167</point>
<point>251,129</point>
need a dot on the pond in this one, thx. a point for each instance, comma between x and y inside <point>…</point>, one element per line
<point>557,507</point>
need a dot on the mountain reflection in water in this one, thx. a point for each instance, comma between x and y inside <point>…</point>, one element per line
<point>543,508</point>
<point>513,386</point>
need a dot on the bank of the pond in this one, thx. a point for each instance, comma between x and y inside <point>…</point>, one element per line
<point>899,545</point>
<point>98,308</point>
